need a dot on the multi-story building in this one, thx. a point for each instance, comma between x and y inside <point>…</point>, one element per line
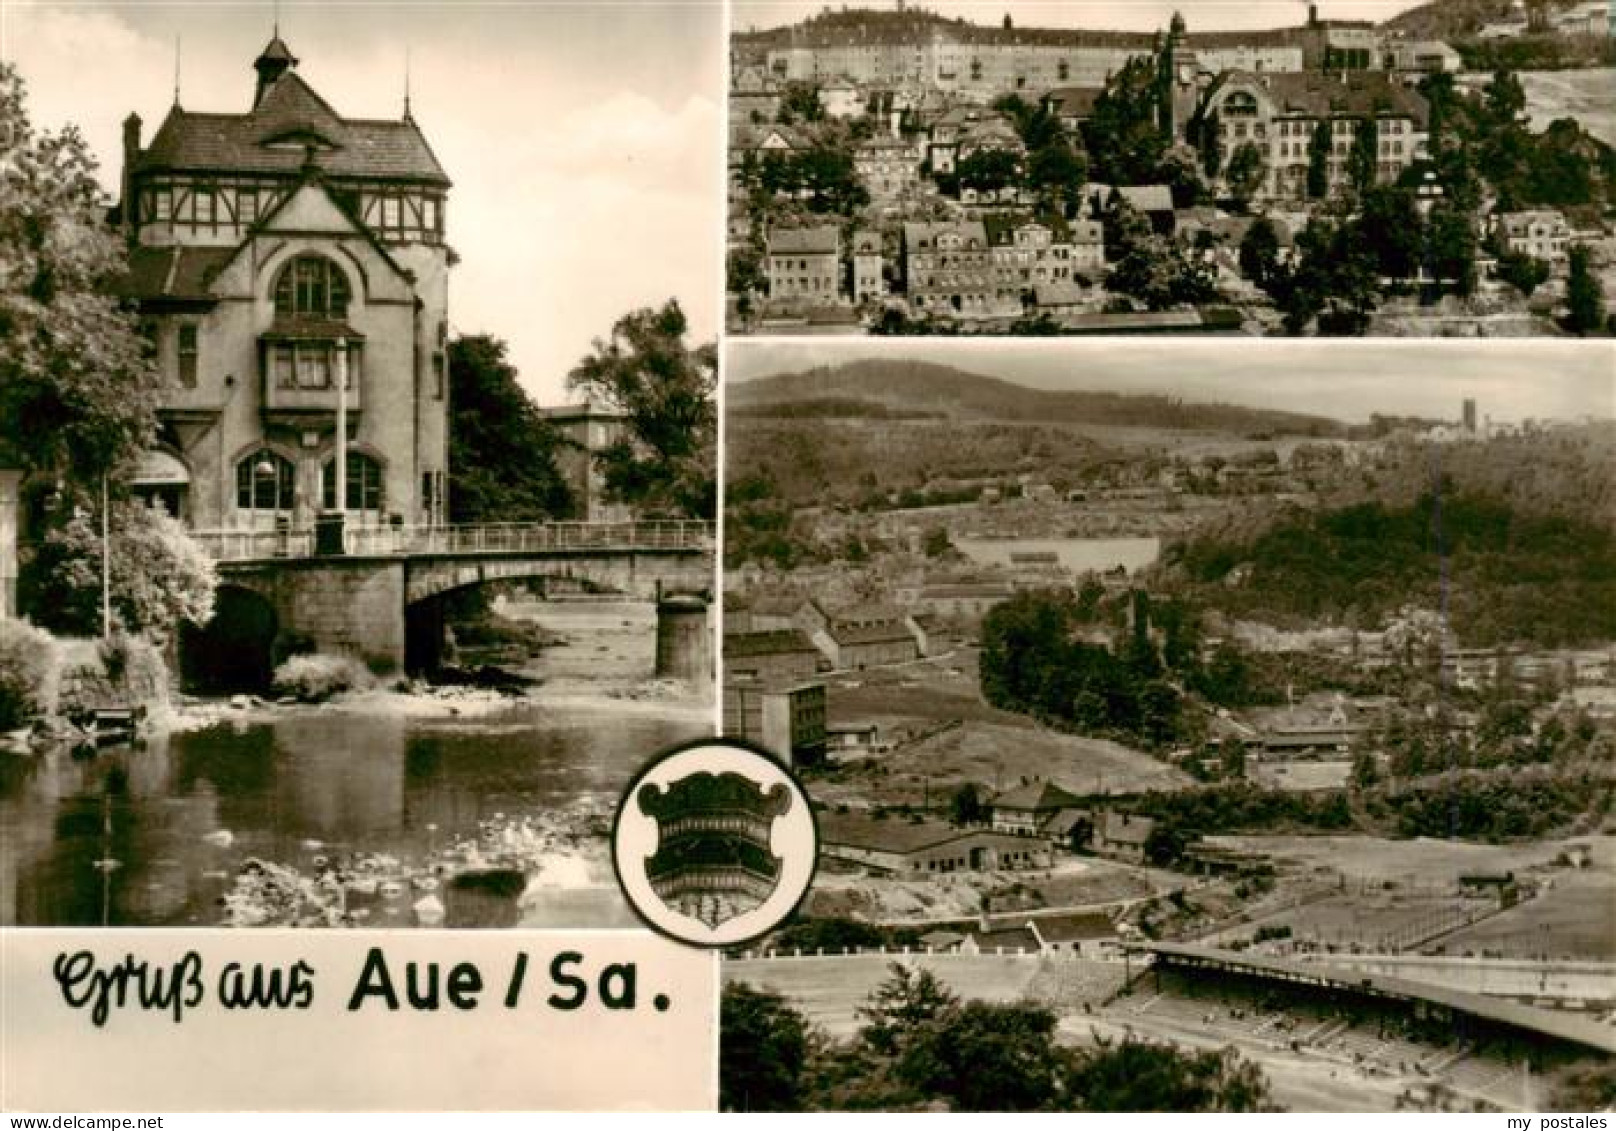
<point>868,262</point>
<point>805,263</point>
<point>1421,55</point>
<point>1541,233</point>
<point>948,268</point>
<point>290,263</point>
<point>1026,254</point>
<point>915,48</point>
<point>1280,114</point>
<point>587,429</point>
<point>887,166</point>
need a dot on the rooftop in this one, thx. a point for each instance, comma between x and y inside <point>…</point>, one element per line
<point>824,240</point>
<point>277,135</point>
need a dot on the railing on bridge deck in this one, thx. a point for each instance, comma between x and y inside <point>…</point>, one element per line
<point>486,538</point>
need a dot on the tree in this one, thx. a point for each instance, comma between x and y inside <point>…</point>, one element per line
<point>1522,271</point>
<point>988,1057</point>
<point>502,450</point>
<point>1452,247</point>
<point>1259,252</point>
<point>1391,229</point>
<point>1124,139</point>
<point>664,388</point>
<point>799,102</point>
<point>1585,299</point>
<point>988,170</point>
<point>1363,159</point>
<point>1246,173</point>
<point>763,1044</point>
<point>1138,1076</point>
<point>966,807</point>
<point>909,998</point>
<point>160,577</point>
<point>1056,172</point>
<point>1318,161</point>
<point>78,389</point>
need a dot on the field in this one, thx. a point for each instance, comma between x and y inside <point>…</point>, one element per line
<point>828,991</point>
<point>968,742</point>
<point>1422,861</point>
<point>1576,918</point>
<point>1586,95</point>
<point>1301,776</point>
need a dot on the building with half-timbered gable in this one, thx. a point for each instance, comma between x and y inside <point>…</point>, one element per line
<point>273,252</point>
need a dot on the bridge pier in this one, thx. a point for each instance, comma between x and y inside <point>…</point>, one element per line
<point>684,647</point>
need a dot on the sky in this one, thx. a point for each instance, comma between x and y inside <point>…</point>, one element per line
<point>1122,15</point>
<point>584,140</point>
<point>1510,379</point>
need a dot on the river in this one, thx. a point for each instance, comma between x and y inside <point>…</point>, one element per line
<point>157,835</point>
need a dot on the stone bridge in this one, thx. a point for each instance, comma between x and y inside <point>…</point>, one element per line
<point>378,594</point>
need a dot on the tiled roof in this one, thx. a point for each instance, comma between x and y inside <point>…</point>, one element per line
<point>172,272</point>
<point>872,633</point>
<point>868,612</point>
<point>293,115</point>
<point>1363,93</point>
<point>1121,828</point>
<point>1006,938</point>
<point>1077,926</point>
<point>1148,198</point>
<point>823,241</point>
<point>779,642</point>
<point>1074,101</point>
<point>1035,797</point>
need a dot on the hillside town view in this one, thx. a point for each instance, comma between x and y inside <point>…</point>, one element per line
<point>1448,171</point>
<point>1178,720</point>
<point>310,613</point>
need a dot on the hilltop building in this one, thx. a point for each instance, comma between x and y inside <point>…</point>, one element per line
<point>273,252</point>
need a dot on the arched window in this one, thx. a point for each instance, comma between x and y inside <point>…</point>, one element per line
<point>264,482</point>
<point>364,486</point>
<point>1240,104</point>
<point>312,286</point>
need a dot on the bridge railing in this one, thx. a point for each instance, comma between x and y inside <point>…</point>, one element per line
<point>482,538</point>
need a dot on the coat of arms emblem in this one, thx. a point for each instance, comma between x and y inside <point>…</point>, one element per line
<point>713,860</point>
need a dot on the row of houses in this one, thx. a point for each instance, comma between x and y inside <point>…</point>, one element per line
<point>784,637</point>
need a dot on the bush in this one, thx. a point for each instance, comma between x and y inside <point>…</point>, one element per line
<point>315,678</point>
<point>161,577</point>
<point>122,671</point>
<point>29,665</point>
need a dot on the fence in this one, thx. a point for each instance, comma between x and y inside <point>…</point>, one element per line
<point>487,538</point>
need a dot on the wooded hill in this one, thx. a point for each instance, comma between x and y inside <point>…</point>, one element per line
<point>890,389</point>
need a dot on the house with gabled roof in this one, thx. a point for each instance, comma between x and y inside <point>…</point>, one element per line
<point>288,261</point>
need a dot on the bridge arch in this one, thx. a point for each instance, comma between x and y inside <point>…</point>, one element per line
<point>237,648</point>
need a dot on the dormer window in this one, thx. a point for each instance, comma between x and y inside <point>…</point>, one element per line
<point>312,286</point>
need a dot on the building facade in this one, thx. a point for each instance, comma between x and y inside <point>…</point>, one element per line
<point>805,263</point>
<point>1281,113</point>
<point>290,267</point>
<point>1541,233</point>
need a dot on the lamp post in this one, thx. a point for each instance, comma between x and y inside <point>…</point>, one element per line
<point>264,471</point>
<point>328,533</point>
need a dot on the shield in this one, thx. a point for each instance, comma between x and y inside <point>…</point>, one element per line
<point>713,860</point>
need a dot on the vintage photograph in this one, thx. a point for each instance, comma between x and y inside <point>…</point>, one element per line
<point>1188,728</point>
<point>1339,168</point>
<point>357,456</point>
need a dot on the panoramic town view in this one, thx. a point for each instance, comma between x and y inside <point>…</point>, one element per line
<point>1445,171</point>
<point>329,599</point>
<point>1247,740</point>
